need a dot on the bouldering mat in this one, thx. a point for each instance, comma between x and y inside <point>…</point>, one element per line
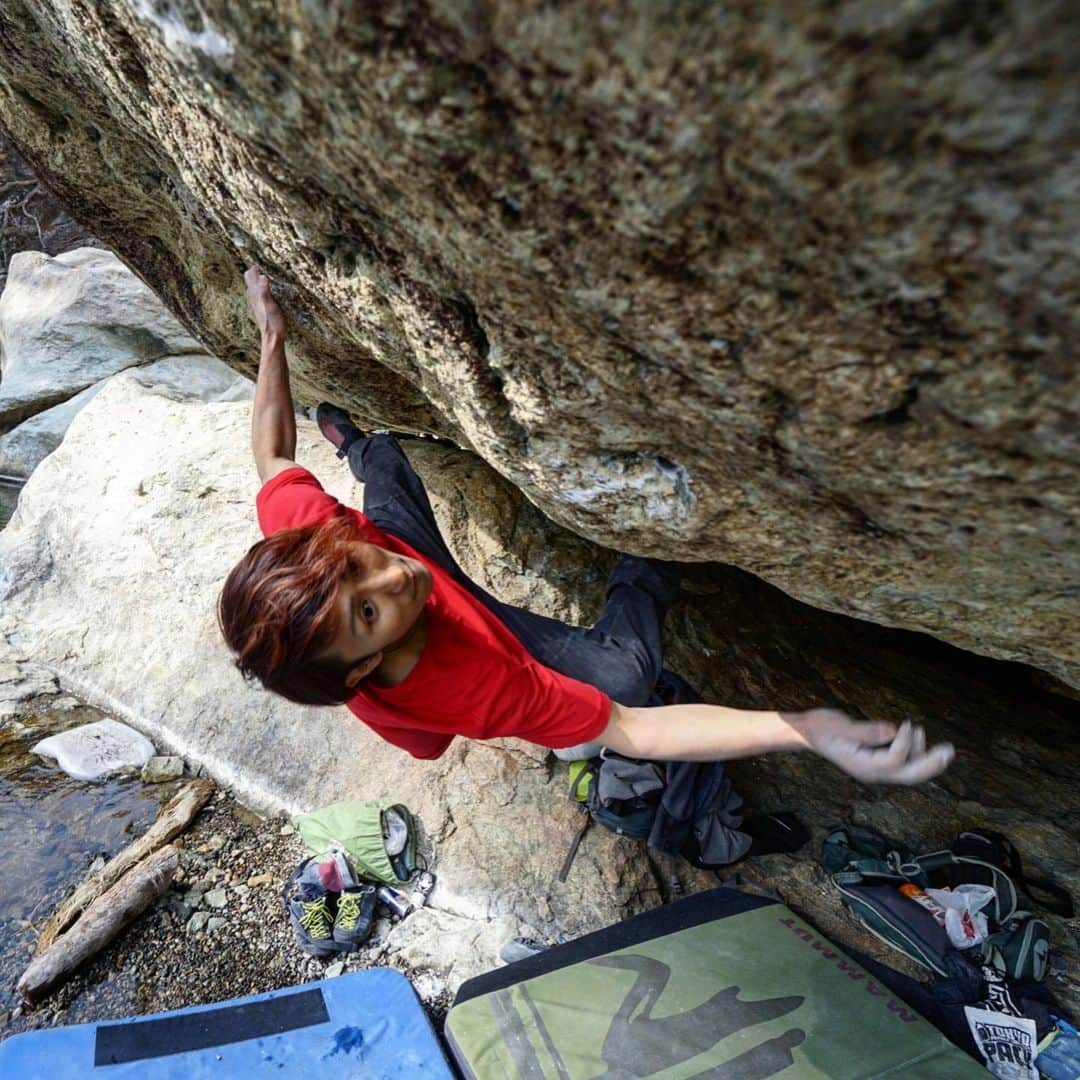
<point>369,1023</point>
<point>720,985</point>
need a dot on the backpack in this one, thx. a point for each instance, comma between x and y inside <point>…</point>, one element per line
<point>632,816</point>
<point>378,836</point>
<point>868,868</point>
<point>994,847</point>
<point>675,807</point>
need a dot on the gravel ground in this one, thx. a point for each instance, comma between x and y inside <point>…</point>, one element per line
<point>185,951</point>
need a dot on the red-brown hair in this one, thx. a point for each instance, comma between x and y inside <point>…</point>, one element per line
<point>278,611</point>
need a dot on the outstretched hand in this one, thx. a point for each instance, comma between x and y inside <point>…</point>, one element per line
<point>264,307</point>
<point>876,753</point>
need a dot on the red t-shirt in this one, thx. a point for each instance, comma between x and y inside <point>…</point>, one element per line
<point>473,677</point>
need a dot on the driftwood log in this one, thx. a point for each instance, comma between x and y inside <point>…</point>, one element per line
<point>173,819</point>
<point>101,922</point>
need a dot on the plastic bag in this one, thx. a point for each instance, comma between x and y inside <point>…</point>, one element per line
<point>1007,1043</point>
<point>963,923</point>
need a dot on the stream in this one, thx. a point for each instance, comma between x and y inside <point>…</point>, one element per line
<point>52,828</point>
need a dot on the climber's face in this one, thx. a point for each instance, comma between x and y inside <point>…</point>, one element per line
<point>379,607</point>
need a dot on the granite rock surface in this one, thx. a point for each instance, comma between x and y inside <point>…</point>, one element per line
<point>787,288</point>
<point>31,217</point>
<point>70,322</point>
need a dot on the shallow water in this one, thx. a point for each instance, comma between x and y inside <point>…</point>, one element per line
<point>9,496</point>
<point>51,829</point>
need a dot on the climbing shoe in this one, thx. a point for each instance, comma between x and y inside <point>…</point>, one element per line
<point>520,948</point>
<point>336,427</point>
<point>355,914</point>
<point>312,921</point>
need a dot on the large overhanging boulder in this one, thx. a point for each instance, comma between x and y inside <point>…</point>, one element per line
<point>31,218</point>
<point>790,291</point>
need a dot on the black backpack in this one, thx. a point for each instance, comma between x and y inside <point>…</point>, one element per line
<point>998,850</point>
<point>868,868</point>
<point>632,816</point>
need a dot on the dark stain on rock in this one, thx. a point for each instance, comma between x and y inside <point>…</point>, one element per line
<point>474,332</point>
<point>899,414</point>
<point>127,55</point>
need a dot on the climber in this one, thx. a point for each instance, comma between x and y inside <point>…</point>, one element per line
<point>370,610</point>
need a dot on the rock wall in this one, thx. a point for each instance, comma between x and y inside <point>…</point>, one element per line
<point>31,218</point>
<point>789,287</point>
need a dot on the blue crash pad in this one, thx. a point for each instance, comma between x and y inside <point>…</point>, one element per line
<point>369,1023</point>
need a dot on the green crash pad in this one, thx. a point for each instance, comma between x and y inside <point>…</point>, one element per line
<point>720,986</point>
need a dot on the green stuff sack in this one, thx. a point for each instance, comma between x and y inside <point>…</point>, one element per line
<point>582,775</point>
<point>365,830</point>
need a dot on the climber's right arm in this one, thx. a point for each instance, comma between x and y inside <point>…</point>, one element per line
<point>273,422</point>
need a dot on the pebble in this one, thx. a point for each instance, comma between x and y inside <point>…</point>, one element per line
<point>259,879</point>
<point>159,769</point>
<point>241,890</point>
<point>334,969</point>
<point>286,830</point>
<point>182,910</point>
<point>217,842</point>
<point>215,923</point>
<point>428,985</point>
<point>197,921</point>
<point>217,898</point>
<point>193,898</point>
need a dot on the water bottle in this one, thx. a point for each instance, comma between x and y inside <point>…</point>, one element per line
<point>398,904</point>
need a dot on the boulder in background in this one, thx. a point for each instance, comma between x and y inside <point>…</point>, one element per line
<point>66,324</point>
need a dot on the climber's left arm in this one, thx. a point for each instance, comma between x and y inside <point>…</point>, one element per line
<point>871,752</point>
